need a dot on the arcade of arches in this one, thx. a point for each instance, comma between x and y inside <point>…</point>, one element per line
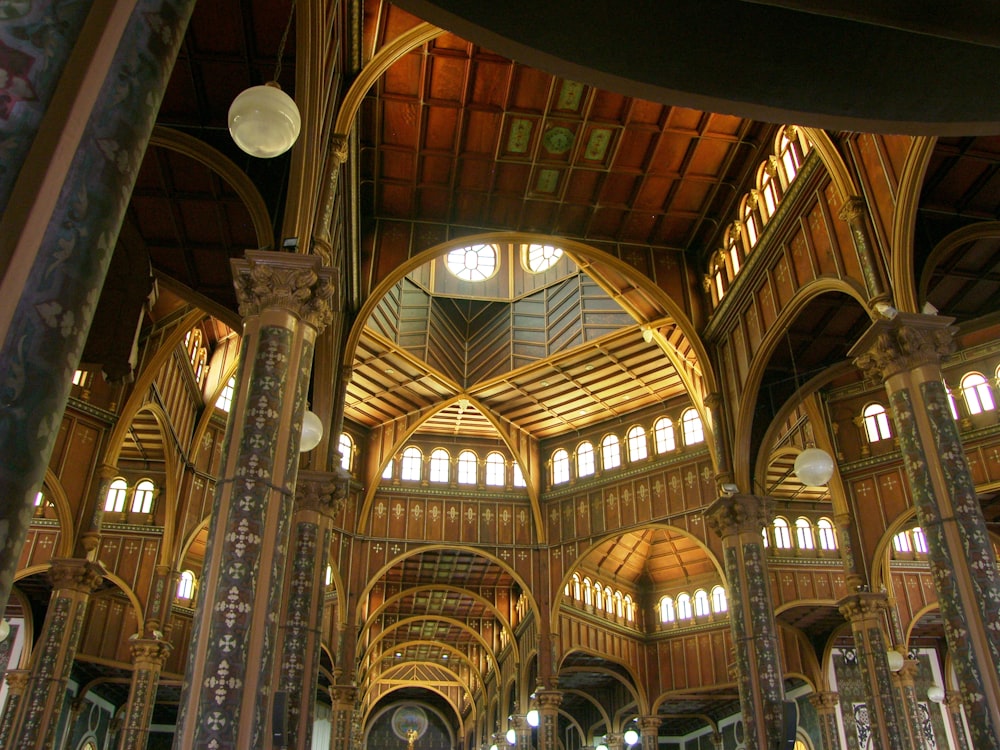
<point>563,345</point>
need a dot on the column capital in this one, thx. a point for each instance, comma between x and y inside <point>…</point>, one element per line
<point>343,694</point>
<point>322,491</point>
<point>17,680</point>
<point>151,652</point>
<point>649,724</point>
<point>904,343</point>
<point>548,697</point>
<point>76,574</point>
<point>735,514</point>
<point>825,701</point>
<point>853,209</point>
<point>285,281</point>
<point>953,699</point>
<point>863,605</point>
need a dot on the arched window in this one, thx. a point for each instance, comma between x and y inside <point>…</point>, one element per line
<point>804,533</point>
<point>827,535</point>
<point>440,466</point>
<point>346,446</point>
<point>684,611</point>
<point>692,428</point>
<point>225,401</point>
<point>792,149</point>
<point>185,586</point>
<point>751,225</point>
<point>584,459</point>
<point>619,605</point>
<point>192,342</point>
<point>663,434</point>
<point>142,497</point>
<point>468,465</point>
<point>701,605</point>
<point>952,403</point>
<point>608,600</point>
<point>599,594</point>
<point>637,450</point>
<point>629,608</point>
<point>734,250</point>
<point>329,575</point>
<point>496,470</point>
<point>115,501</point>
<point>919,541</point>
<point>901,542</point>
<point>977,393</point>
<point>473,263</point>
<point>199,366</point>
<point>611,453</point>
<point>667,613</point>
<point>576,586</point>
<point>719,602</point>
<point>588,592</point>
<point>519,474</point>
<point>537,258</point>
<point>767,541</point>
<point>412,464</point>
<point>560,466</point>
<point>387,471</point>
<point>767,192</point>
<point>876,423</point>
<point>782,534</point>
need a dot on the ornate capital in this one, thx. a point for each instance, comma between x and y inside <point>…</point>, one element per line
<point>734,514</point>
<point>343,694</point>
<point>902,344</point>
<point>75,574</point>
<point>337,149</point>
<point>548,698</point>
<point>285,281</point>
<point>17,680</point>
<point>649,724</point>
<point>825,702</point>
<point>322,491</point>
<point>864,605</point>
<point>853,209</point>
<point>149,651</point>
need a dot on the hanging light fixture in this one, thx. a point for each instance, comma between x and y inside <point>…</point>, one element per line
<point>631,736</point>
<point>263,120</point>
<point>312,431</point>
<point>813,466</point>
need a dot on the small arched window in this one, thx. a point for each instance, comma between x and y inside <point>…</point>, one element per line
<point>663,434</point>
<point>751,225</point>
<point>637,450</point>
<point>496,470</point>
<point>876,423</point>
<point>611,453</point>
<point>701,605</point>
<point>919,541</point>
<point>389,467</point>
<point>560,466</point>
<point>576,586</point>
<point>767,191</point>
<point>901,542</point>
<point>519,475</point>
<point>346,446</point>
<point>225,401</point>
<point>440,466</point>
<point>599,594</point>
<point>142,497</point>
<point>115,501</point>
<point>468,465</point>
<point>684,611</point>
<point>629,608</point>
<point>588,592</point>
<point>185,586</point>
<point>719,602</point>
<point>804,533</point>
<point>692,428</point>
<point>978,394</point>
<point>667,612</point>
<point>585,459</point>
<point>827,535</point>
<point>619,604</point>
<point>608,600</point>
<point>782,534</point>
<point>329,576</point>
<point>199,366</point>
<point>411,465</point>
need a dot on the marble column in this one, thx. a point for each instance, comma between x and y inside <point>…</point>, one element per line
<point>548,700</point>
<point>649,732</point>
<point>956,722</point>
<point>17,681</point>
<point>826,704</point>
<point>148,657</point>
<point>284,300</point>
<point>906,694</point>
<point>905,353</point>
<point>865,611</point>
<point>65,210</point>
<point>319,497</point>
<point>739,520</point>
<point>342,716</point>
<point>73,581</point>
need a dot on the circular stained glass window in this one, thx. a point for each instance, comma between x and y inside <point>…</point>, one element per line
<point>473,263</point>
<point>538,258</point>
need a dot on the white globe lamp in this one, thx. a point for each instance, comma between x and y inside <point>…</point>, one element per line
<point>814,467</point>
<point>312,431</point>
<point>532,717</point>
<point>264,121</point>
<point>631,737</point>
<point>935,694</point>
<point>895,660</point>
<point>511,737</point>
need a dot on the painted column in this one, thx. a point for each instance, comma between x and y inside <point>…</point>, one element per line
<point>739,520</point>
<point>906,353</point>
<point>649,732</point>
<point>319,497</point>
<point>17,681</point>
<point>866,612</point>
<point>70,199</point>
<point>855,213</point>
<point>906,693</point>
<point>148,657</point>
<point>826,704</point>
<point>845,543</point>
<point>548,700</point>
<point>953,710</point>
<point>73,581</point>
<point>76,707</point>
<point>342,716</point>
<point>284,300</point>
<point>520,724</point>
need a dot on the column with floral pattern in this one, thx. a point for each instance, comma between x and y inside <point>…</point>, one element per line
<point>148,657</point>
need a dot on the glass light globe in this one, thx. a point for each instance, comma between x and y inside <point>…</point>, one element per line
<point>312,431</point>
<point>264,121</point>
<point>511,737</point>
<point>814,467</point>
<point>532,717</point>
<point>935,694</point>
<point>494,746</point>
<point>895,660</point>
<point>631,737</point>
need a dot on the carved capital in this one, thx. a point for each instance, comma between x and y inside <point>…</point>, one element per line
<point>953,700</point>
<point>825,702</point>
<point>734,514</point>
<point>902,344</point>
<point>75,574</point>
<point>337,149</point>
<point>285,281</point>
<point>149,651</point>
<point>853,209</point>
<point>548,698</point>
<point>322,491</point>
<point>649,725</point>
<point>343,695</point>
<point>17,680</point>
<point>863,606</point>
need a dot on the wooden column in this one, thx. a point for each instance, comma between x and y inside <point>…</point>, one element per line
<point>342,717</point>
<point>548,717</point>
<point>17,682</point>
<point>148,657</point>
<point>826,705</point>
<point>649,732</point>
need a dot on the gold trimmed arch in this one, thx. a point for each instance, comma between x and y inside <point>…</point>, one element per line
<point>967,234</point>
<point>635,688</point>
<point>904,221</point>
